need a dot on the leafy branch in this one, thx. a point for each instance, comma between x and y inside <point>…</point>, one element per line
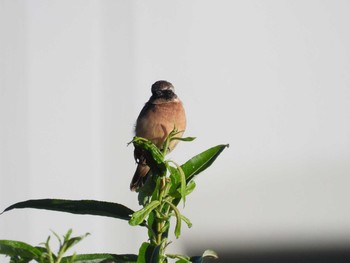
<point>168,184</point>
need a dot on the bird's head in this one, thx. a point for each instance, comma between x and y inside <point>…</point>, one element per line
<point>163,90</point>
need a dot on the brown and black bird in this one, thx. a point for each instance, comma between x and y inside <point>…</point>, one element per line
<point>161,114</point>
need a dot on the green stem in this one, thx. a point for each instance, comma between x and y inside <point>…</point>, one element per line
<point>166,146</point>
<point>163,210</point>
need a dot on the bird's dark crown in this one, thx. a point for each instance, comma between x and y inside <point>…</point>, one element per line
<point>163,90</point>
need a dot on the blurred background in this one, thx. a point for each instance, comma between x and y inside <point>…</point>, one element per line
<point>271,78</point>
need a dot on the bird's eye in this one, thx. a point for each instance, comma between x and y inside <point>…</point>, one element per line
<point>159,93</point>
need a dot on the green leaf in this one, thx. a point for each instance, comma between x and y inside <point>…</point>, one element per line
<point>142,253</point>
<point>186,139</point>
<point>83,207</point>
<point>139,216</point>
<point>187,221</point>
<point>73,241</point>
<point>68,242</point>
<point>47,252</point>
<point>181,258</point>
<point>177,230</point>
<point>151,222</point>
<point>97,258</point>
<point>175,179</point>
<point>183,261</point>
<point>178,178</point>
<point>148,253</point>
<point>156,156</point>
<point>194,166</point>
<point>202,161</point>
<point>16,248</point>
<point>190,187</point>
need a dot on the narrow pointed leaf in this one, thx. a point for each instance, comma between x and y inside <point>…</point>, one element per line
<point>187,221</point>
<point>139,216</point>
<point>190,187</point>
<point>147,145</point>
<point>83,207</point>
<point>142,253</point>
<point>73,241</point>
<point>175,179</point>
<point>202,161</point>
<point>177,230</point>
<point>182,185</point>
<point>148,253</point>
<point>185,139</point>
<point>179,173</point>
<point>16,248</point>
<point>98,258</point>
<point>183,261</point>
<point>181,258</point>
<point>175,190</point>
<point>198,164</point>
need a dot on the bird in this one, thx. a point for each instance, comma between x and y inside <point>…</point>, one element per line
<point>162,113</point>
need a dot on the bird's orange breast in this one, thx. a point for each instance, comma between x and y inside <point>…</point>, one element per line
<point>159,120</point>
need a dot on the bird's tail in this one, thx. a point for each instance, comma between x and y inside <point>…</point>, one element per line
<point>140,176</point>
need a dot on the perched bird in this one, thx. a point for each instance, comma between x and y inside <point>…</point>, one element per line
<point>161,114</point>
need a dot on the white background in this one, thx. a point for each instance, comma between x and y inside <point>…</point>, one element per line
<point>271,78</point>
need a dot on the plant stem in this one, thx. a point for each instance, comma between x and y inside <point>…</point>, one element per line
<point>161,214</point>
